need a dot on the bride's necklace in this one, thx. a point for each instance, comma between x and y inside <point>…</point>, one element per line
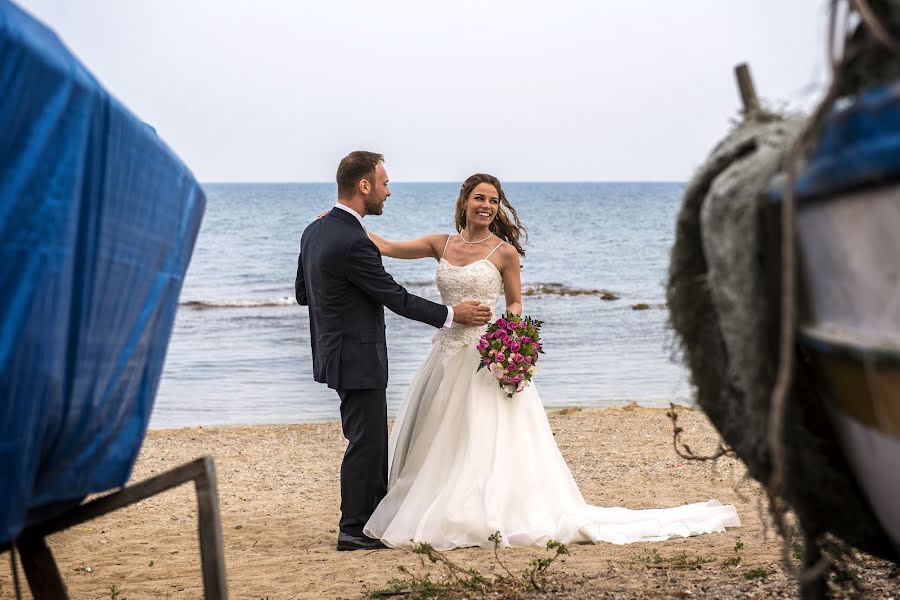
<point>463,237</point>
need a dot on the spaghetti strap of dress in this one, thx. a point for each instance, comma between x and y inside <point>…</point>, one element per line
<point>447,243</point>
<point>491,252</point>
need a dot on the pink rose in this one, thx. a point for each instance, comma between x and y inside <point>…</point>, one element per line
<point>482,345</point>
<point>516,379</point>
<point>511,368</point>
<point>510,325</point>
<point>486,360</point>
<point>501,322</point>
<point>518,359</point>
<point>528,360</point>
<point>514,346</point>
<point>499,357</point>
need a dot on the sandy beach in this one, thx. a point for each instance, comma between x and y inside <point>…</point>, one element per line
<point>278,488</point>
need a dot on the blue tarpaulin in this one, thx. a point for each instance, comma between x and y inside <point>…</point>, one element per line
<point>859,146</point>
<point>98,221</point>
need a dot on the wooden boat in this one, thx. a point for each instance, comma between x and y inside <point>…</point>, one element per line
<point>848,227</point>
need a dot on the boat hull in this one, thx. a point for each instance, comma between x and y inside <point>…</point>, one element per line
<point>849,248</point>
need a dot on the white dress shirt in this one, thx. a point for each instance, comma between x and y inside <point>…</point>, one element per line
<point>359,218</point>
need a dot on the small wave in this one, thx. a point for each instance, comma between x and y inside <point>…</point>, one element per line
<point>559,289</point>
<point>538,289</point>
<point>207,304</point>
<point>418,284</point>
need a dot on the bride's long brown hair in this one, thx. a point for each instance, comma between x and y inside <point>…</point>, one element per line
<point>506,225</point>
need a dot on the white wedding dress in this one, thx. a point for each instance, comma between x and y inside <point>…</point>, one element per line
<point>466,461</point>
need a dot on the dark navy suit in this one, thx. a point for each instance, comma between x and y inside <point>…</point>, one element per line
<point>341,278</point>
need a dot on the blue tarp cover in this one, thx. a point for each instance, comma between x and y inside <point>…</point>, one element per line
<point>859,146</point>
<point>98,221</point>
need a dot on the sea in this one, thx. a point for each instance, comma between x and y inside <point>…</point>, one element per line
<point>240,349</point>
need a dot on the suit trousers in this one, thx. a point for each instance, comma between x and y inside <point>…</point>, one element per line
<point>364,470</point>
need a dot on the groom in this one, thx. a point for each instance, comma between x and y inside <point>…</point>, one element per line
<point>341,278</point>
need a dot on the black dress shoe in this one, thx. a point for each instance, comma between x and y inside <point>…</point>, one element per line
<point>348,542</point>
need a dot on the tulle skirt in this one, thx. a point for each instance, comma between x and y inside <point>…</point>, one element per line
<point>466,461</point>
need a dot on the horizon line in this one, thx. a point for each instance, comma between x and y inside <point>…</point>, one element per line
<point>454,181</point>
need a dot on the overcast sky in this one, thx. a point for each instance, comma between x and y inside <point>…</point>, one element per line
<point>556,90</point>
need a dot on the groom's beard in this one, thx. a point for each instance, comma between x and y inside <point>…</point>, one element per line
<point>374,205</point>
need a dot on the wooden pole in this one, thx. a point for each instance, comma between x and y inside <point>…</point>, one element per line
<point>40,569</point>
<point>212,559</point>
<point>745,85</point>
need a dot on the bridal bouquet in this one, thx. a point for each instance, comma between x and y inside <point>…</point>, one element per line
<point>510,349</point>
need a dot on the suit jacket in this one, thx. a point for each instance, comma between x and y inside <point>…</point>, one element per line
<point>341,278</point>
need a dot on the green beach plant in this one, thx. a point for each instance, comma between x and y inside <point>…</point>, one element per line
<point>457,581</point>
<point>683,561</point>
<point>758,573</point>
<point>735,560</point>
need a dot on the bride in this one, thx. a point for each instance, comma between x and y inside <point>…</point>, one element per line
<point>465,460</point>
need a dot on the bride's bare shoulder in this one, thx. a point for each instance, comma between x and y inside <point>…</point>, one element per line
<point>508,252</point>
<point>506,257</point>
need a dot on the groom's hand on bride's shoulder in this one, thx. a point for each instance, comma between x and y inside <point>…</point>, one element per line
<point>471,312</point>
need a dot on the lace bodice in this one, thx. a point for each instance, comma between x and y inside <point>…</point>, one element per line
<point>480,281</point>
